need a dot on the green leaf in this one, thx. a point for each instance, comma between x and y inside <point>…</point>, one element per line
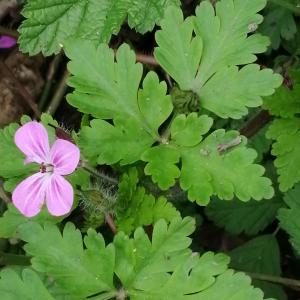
<point>48,25</point>
<point>11,158</point>
<point>249,217</point>
<point>209,47</point>
<point>135,208</point>
<point>143,15</point>
<point>109,90</point>
<point>64,258</point>
<point>221,165</point>
<point>226,285</point>
<point>260,255</point>
<point>286,148</point>
<point>289,217</point>
<point>278,23</point>
<point>161,269</point>
<point>244,88</point>
<point>12,219</point>
<point>188,130</point>
<point>161,165</point>
<point>27,286</point>
<point>178,52</point>
<point>285,102</point>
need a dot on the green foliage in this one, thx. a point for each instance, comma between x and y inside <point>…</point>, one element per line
<point>278,24</point>
<point>221,165</point>
<point>12,219</point>
<point>188,130</point>
<point>161,165</point>
<point>260,255</point>
<point>289,217</point>
<point>27,286</point>
<point>143,15</point>
<point>161,269</point>
<point>285,131</point>
<point>207,62</point>
<point>108,90</point>
<point>285,102</point>
<point>49,24</point>
<point>286,148</point>
<point>237,217</point>
<point>11,158</point>
<point>63,258</point>
<point>135,208</point>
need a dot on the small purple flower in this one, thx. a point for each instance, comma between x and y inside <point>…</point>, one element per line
<point>7,41</point>
<point>48,185</point>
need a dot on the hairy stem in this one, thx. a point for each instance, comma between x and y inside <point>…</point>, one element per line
<point>97,174</point>
<point>290,6</point>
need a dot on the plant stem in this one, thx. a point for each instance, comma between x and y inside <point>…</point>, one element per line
<point>3,194</point>
<point>281,280</point>
<point>50,74</point>
<point>290,6</point>
<point>111,223</point>
<point>255,124</point>
<point>13,259</point>
<point>146,59</point>
<point>95,173</point>
<point>59,94</point>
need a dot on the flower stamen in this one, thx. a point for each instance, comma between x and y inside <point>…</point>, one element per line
<point>46,168</point>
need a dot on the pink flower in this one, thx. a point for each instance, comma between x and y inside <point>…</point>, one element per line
<point>48,185</point>
<point>7,41</point>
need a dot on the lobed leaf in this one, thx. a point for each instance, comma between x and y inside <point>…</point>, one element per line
<point>285,102</point>
<point>289,217</point>
<point>212,44</point>
<point>135,208</point>
<point>208,171</point>
<point>109,90</point>
<point>12,220</point>
<point>27,286</point>
<point>64,258</point>
<point>286,148</point>
<point>278,24</point>
<point>161,269</point>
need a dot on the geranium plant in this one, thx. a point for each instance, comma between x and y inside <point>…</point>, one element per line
<point>162,147</point>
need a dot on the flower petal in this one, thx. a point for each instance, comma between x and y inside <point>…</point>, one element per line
<point>29,195</point>
<point>59,196</point>
<point>7,41</point>
<point>64,156</point>
<point>32,140</point>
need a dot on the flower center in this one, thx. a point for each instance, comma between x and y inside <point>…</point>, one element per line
<point>46,168</point>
